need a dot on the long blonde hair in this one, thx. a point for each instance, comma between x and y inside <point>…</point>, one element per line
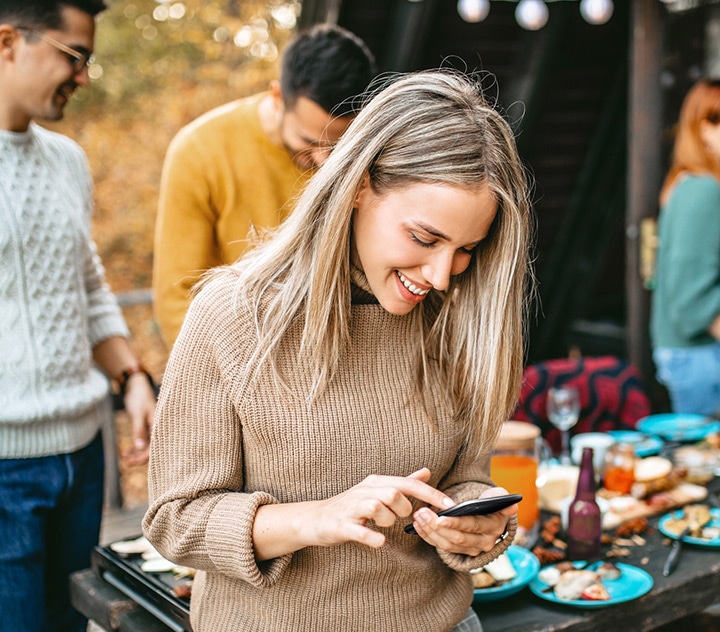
<point>425,127</point>
<point>690,155</point>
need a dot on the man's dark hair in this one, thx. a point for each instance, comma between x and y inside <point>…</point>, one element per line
<point>328,65</point>
<point>44,14</point>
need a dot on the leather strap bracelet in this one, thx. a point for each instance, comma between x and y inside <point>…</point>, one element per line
<point>125,375</point>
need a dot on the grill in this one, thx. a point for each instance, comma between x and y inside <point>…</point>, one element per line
<point>152,591</point>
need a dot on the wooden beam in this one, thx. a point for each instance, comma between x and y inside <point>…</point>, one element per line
<point>644,167</point>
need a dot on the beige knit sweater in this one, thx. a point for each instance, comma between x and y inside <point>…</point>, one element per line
<point>222,446</point>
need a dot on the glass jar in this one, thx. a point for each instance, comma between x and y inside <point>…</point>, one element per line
<point>619,468</point>
<point>514,466</point>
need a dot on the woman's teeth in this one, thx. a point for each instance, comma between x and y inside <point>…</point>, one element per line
<point>412,288</point>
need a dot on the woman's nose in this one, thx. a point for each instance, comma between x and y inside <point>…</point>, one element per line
<point>438,271</point>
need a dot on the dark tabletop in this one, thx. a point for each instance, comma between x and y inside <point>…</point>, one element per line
<point>692,587</point>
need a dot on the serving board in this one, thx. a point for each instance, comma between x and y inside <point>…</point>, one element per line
<point>681,495</point>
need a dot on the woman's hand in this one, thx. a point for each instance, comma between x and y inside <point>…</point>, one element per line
<point>281,529</point>
<point>466,535</point>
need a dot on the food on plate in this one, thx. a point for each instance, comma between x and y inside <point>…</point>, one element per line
<point>550,575</point>
<point>501,568</point>
<point>595,592</point>
<point>696,517</point>
<point>713,440</point>
<point>481,579</point>
<point>497,572</point>
<point>608,570</point>
<point>572,583</point>
<point>710,533</point>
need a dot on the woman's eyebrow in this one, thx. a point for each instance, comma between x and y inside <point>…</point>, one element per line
<point>433,231</point>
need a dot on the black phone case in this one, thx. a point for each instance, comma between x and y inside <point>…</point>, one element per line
<point>479,507</point>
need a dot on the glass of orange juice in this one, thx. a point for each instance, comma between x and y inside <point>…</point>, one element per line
<point>514,466</point>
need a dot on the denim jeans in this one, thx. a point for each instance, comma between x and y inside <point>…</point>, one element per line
<point>50,510</point>
<point>692,377</point>
<point>471,623</point>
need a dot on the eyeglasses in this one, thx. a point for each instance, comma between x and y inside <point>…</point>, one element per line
<point>77,58</point>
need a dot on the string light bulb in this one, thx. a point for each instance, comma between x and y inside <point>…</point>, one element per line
<point>596,11</point>
<point>531,14</point>
<point>473,10</point>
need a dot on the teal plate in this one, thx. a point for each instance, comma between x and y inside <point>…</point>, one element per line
<point>678,427</point>
<point>526,566</point>
<point>715,522</point>
<point>632,583</point>
<point>644,445</point>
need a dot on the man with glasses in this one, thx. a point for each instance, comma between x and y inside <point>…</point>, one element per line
<point>58,322</point>
<point>237,167</point>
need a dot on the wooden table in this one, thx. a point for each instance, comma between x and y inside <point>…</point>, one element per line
<point>694,586</point>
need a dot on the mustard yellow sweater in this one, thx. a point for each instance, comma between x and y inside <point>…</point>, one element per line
<point>222,175</point>
<point>222,446</point>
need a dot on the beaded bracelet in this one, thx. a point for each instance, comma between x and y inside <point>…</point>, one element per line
<point>124,376</point>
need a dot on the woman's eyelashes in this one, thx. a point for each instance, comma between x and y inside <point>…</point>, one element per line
<point>420,242</point>
<point>430,244</point>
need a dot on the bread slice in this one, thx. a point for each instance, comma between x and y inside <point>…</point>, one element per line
<point>652,468</point>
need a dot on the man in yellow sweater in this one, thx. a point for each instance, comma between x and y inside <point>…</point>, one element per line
<point>239,166</point>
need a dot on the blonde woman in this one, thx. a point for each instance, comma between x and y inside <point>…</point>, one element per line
<point>685,319</point>
<point>348,377</point>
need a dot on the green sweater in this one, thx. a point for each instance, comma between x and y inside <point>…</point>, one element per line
<point>223,445</point>
<point>687,293</point>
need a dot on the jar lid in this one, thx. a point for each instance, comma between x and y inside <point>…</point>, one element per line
<point>517,435</point>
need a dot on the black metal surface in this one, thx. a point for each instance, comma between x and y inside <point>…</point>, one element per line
<point>152,591</point>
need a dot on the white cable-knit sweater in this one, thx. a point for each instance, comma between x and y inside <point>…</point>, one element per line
<point>54,303</point>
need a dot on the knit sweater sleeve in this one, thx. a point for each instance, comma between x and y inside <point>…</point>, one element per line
<point>690,244</point>
<point>467,480</point>
<point>199,515</point>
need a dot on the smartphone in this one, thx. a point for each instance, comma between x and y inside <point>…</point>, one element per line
<point>478,507</point>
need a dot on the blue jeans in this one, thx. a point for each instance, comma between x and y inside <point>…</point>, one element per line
<point>470,623</point>
<point>50,511</point>
<point>692,377</point>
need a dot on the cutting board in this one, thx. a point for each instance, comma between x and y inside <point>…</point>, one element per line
<point>681,495</point>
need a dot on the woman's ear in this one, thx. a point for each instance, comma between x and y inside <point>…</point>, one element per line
<point>363,191</point>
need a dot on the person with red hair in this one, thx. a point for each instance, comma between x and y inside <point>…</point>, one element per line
<point>685,319</point>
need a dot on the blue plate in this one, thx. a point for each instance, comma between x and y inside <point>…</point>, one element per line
<point>715,522</point>
<point>526,566</point>
<point>644,445</point>
<point>632,583</point>
<point>678,427</point>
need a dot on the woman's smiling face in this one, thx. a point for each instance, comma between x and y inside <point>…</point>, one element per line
<point>413,239</point>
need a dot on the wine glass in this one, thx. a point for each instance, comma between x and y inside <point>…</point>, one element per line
<point>563,410</point>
